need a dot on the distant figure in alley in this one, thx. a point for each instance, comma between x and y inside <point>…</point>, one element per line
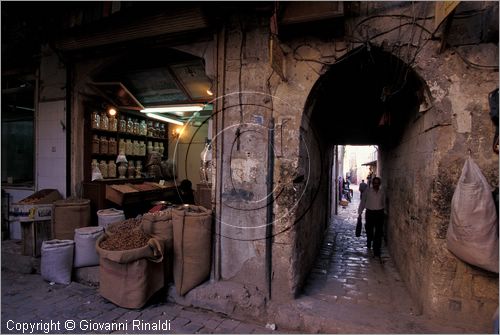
<point>362,187</point>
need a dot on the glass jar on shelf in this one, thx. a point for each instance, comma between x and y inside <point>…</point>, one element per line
<point>136,129</point>
<point>122,125</point>
<point>95,145</point>
<point>143,128</point>
<point>156,131</point>
<point>96,120</point>
<point>94,164</point>
<point>129,147</point>
<point>138,169</point>
<point>104,169</point>
<point>131,169</point>
<point>150,147</point>
<point>130,126</point>
<point>111,169</point>
<point>103,145</point>
<point>162,130</point>
<point>156,147</point>
<point>150,129</point>
<point>122,147</point>
<point>113,123</point>
<point>161,149</point>
<point>136,148</point>
<point>104,121</point>
<point>142,149</point>
<point>112,147</point>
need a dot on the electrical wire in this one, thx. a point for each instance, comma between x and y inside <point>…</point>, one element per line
<point>472,64</point>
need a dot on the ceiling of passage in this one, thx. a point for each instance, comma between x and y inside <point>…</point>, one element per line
<point>365,98</point>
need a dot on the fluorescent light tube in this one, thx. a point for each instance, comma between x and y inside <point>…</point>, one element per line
<point>164,118</point>
<point>173,108</point>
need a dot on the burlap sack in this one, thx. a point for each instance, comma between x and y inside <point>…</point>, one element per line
<point>159,226</point>
<point>129,278</point>
<point>192,227</point>
<point>130,285</point>
<point>152,251</point>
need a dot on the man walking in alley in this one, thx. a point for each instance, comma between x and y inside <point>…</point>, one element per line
<point>373,200</point>
<point>362,187</point>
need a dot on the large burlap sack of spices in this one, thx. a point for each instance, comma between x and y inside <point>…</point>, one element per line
<point>159,226</point>
<point>130,267</point>
<point>192,227</point>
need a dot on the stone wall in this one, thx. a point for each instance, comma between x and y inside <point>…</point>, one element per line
<point>421,174</point>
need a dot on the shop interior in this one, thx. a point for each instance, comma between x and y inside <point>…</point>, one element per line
<point>146,127</point>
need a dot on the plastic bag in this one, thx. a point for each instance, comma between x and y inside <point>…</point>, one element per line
<point>473,230</point>
<point>96,173</point>
<point>359,225</point>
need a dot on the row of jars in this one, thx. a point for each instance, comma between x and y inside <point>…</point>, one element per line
<point>125,170</point>
<point>109,146</point>
<point>129,126</point>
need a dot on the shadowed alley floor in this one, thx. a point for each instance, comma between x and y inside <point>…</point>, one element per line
<point>358,293</point>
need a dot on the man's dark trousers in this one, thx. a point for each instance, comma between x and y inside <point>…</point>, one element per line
<point>374,225</point>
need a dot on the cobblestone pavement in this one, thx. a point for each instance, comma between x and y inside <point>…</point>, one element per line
<point>28,300</point>
<point>366,293</point>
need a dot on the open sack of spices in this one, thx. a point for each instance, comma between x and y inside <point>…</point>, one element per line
<point>131,264</point>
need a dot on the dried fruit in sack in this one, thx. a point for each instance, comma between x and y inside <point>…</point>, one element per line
<point>128,224</point>
<point>125,240</point>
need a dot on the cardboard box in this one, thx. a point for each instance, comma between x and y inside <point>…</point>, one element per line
<point>36,207</point>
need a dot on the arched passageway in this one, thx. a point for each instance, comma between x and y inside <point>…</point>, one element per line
<point>369,97</point>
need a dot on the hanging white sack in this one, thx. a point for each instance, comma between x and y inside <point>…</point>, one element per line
<point>473,230</point>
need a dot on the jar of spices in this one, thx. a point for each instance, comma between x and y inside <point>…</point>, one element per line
<point>131,169</point>
<point>112,147</point>
<point>122,146</point>
<point>113,124</point>
<point>95,145</point>
<point>161,149</point>
<point>143,128</point>
<point>156,147</point>
<point>104,121</point>
<point>122,125</point>
<point>156,130</point>
<point>103,145</point>
<point>130,126</point>
<point>150,147</point>
<point>111,169</point>
<point>136,148</point>
<point>136,129</point>
<point>138,169</point>
<point>94,164</point>
<point>96,120</point>
<point>162,130</point>
<point>129,148</point>
<point>104,169</point>
<point>142,148</point>
<point>150,128</point>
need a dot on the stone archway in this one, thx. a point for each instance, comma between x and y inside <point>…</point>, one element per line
<point>368,97</point>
